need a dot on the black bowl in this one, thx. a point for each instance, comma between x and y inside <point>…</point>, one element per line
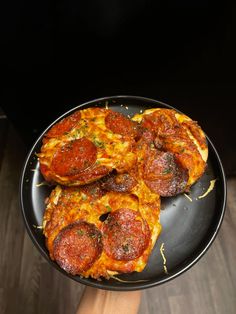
<point>189,227</point>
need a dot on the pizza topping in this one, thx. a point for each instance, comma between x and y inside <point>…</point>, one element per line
<point>74,157</point>
<point>162,122</point>
<point>126,235</point>
<point>163,174</point>
<point>118,123</point>
<point>64,126</point>
<point>119,182</point>
<point>93,190</point>
<point>77,247</point>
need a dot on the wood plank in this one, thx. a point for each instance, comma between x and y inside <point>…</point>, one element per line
<point>3,134</point>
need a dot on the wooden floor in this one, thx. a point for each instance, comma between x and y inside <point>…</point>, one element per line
<point>28,284</point>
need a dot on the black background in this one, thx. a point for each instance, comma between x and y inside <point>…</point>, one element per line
<point>54,56</point>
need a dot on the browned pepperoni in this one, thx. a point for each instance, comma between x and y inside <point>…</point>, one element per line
<point>93,190</point>
<point>64,126</point>
<point>125,235</point>
<point>161,121</point>
<point>119,182</point>
<point>147,137</point>
<point>74,157</point>
<point>91,174</point>
<point>77,247</point>
<point>195,129</point>
<point>163,174</point>
<point>119,124</point>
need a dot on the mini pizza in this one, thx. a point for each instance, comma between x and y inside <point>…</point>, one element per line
<point>93,233</point>
<point>104,217</point>
<point>86,146</point>
<point>173,149</point>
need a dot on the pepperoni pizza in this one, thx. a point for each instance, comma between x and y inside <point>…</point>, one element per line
<point>95,233</point>
<point>86,146</point>
<point>103,217</point>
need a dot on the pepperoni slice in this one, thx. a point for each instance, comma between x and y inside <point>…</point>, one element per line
<point>125,235</point>
<point>64,126</point>
<point>93,190</point>
<point>163,174</point>
<point>74,157</point>
<point>119,124</point>
<point>119,183</point>
<point>77,247</point>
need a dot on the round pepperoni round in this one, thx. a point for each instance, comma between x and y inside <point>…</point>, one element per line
<point>119,124</point>
<point>125,235</point>
<point>163,174</point>
<point>64,126</point>
<point>74,157</point>
<point>119,182</point>
<point>77,247</point>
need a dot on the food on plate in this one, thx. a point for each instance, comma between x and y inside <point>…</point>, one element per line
<point>92,232</point>
<point>103,217</point>
<point>178,135</point>
<point>86,146</point>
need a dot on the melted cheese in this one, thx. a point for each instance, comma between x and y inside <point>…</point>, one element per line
<point>210,188</point>
<point>164,258</point>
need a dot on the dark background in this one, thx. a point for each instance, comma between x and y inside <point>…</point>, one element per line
<point>54,56</point>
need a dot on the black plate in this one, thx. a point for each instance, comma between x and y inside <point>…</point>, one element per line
<point>189,228</point>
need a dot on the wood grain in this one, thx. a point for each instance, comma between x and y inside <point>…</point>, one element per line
<point>28,284</point>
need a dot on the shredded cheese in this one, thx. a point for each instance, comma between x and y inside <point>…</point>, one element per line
<point>38,227</point>
<point>188,197</point>
<point>42,183</point>
<point>128,281</point>
<point>211,187</point>
<point>106,104</point>
<point>164,258</point>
